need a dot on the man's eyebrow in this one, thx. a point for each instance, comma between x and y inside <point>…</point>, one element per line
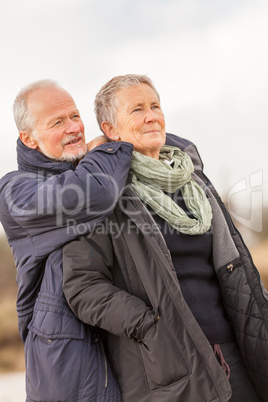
<point>63,116</point>
<point>139,103</point>
<point>53,119</point>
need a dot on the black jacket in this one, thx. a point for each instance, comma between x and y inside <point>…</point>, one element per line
<point>121,279</point>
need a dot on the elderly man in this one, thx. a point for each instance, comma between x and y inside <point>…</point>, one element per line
<point>58,193</point>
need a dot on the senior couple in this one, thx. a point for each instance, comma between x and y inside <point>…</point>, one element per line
<point>173,308</point>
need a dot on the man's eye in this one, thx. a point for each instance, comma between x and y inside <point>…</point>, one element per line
<point>155,107</point>
<point>137,109</point>
<point>57,123</point>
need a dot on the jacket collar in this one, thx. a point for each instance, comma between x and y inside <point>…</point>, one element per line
<point>34,161</point>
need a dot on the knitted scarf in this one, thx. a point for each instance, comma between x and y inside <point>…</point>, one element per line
<point>152,177</point>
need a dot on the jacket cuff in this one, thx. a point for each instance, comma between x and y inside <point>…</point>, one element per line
<point>112,147</point>
<point>149,320</point>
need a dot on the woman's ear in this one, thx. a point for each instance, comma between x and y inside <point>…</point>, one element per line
<point>28,139</point>
<point>110,131</point>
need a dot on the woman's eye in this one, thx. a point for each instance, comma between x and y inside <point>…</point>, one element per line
<point>137,109</point>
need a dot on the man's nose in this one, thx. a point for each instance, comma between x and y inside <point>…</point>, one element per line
<point>72,127</point>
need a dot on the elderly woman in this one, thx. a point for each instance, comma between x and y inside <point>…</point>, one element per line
<point>167,276</point>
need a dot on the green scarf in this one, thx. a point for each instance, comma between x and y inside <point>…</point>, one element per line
<point>151,177</point>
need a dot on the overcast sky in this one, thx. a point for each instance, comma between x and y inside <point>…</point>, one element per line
<point>207,58</point>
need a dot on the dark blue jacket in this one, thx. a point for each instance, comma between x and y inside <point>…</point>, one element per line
<point>44,205</point>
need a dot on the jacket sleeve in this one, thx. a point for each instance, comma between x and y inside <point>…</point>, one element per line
<point>40,204</point>
<point>91,294</point>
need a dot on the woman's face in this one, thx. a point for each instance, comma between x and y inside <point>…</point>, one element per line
<point>140,119</point>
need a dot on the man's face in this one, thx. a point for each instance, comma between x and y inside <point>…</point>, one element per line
<point>59,130</point>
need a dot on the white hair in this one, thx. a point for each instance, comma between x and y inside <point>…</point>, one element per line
<point>23,117</point>
<point>106,101</point>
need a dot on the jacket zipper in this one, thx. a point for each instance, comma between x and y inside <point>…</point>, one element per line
<point>105,365</point>
<point>105,362</point>
<point>232,265</point>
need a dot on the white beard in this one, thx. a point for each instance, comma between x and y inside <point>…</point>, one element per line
<point>66,156</point>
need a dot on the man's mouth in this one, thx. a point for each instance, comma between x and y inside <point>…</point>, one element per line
<point>73,141</point>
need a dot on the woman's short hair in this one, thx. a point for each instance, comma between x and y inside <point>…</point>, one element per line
<point>106,102</point>
<point>23,117</point>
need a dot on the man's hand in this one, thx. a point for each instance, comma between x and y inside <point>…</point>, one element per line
<point>101,139</point>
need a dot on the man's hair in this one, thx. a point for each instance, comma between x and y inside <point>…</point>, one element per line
<point>106,102</point>
<point>23,117</point>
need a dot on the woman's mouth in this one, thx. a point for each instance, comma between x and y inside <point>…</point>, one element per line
<point>152,132</point>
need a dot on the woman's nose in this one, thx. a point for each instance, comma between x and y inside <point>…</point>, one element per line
<point>150,115</point>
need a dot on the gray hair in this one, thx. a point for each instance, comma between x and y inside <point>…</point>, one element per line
<point>23,117</point>
<point>106,102</point>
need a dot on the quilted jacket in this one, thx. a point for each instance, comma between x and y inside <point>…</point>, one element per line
<point>43,205</point>
<point>121,278</point>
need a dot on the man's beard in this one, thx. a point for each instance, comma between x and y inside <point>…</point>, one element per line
<point>66,156</point>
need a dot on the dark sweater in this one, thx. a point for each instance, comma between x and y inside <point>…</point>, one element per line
<point>192,259</point>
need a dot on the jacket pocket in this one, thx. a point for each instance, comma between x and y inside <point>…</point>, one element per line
<point>53,319</point>
<point>163,359</point>
<point>54,350</point>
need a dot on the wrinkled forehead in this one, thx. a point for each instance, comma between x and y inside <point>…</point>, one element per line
<point>49,100</point>
<point>134,93</point>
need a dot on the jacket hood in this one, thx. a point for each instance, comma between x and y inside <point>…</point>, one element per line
<point>31,160</point>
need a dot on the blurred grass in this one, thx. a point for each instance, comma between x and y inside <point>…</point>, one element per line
<point>11,346</point>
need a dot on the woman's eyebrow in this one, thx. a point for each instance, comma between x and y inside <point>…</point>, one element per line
<point>134,105</point>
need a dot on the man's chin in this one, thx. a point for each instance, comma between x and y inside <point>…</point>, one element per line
<point>66,156</point>
<point>73,157</point>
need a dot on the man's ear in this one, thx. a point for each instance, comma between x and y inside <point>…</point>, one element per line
<point>28,139</point>
<point>110,131</point>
